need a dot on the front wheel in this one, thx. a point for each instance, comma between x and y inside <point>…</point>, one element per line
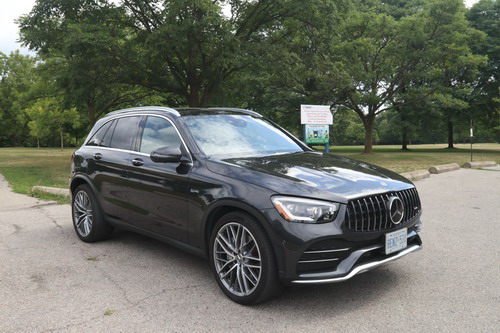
<point>242,259</point>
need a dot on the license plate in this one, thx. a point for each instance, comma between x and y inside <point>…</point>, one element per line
<point>395,241</point>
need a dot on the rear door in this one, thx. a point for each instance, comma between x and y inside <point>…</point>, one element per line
<point>108,156</point>
<point>158,191</point>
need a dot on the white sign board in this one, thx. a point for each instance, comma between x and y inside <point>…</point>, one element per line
<point>315,115</point>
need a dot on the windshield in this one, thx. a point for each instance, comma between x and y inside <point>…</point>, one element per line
<point>237,136</point>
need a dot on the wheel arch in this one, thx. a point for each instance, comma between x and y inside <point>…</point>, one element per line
<point>223,207</point>
<point>78,180</point>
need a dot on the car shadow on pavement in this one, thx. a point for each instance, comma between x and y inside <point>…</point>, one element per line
<point>361,291</point>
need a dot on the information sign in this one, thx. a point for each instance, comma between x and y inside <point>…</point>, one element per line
<point>317,134</point>
<point>316,114</point>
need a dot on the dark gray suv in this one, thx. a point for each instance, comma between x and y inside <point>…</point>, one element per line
<point>232,186</point>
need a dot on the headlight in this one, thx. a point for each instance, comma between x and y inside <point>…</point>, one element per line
<point>305,210</point>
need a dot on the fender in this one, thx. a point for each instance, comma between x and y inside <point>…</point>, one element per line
<point>226,205</point>
<point>83,178</point>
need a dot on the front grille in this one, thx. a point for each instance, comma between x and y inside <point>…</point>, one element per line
<point>371,214</point>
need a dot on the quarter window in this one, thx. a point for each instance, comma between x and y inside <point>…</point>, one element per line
<point>102,137</point>
<point>158,133</point>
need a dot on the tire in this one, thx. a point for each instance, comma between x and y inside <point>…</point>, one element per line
<point>88,219</point>
<point>242,260</point>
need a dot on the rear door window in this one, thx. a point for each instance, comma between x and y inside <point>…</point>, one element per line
<point>125,132</point>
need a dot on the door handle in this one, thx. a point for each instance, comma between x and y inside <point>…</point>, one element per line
<point>97,156</point>
<point>137,162</point>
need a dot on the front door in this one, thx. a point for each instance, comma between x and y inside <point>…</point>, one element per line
<point>158,191</point>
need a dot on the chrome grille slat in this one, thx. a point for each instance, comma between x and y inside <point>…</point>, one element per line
<point>405,202</point>
<point>370,213</point>
<point>409,204</point>
<point>367,213</point>
<point>379,212</point>
<point>416,202</point>
<point>349,219</point>
<point>355,217</point>
<point>374,214</point>
<point>361,215</point>
<point>386,214</point>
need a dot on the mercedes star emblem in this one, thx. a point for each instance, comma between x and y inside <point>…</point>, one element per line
<point>396,209</point>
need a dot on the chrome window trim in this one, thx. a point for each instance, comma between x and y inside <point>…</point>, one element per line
<point>118,116</point>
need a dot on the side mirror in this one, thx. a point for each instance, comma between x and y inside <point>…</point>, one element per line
<point>166,154</point>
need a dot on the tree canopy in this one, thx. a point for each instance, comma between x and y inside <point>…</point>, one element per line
<point>421,60</point>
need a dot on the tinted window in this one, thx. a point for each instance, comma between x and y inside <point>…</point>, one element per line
<point>125,131</point>
<point>158,133</point>
<point>103,136</point>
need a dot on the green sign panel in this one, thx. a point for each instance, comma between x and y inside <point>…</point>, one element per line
<point>318,134</point>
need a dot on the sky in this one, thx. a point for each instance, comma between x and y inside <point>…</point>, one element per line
<point>12,9</point>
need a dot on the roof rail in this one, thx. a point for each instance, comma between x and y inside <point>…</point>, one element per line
<point>250,112</point>
<point>145,108</point>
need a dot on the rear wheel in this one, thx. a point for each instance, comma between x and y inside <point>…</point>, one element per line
<point>88,219</point>
<point>242,259</point>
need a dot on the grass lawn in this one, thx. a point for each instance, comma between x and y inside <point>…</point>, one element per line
<point>420,156</point>
<point>27,167</point>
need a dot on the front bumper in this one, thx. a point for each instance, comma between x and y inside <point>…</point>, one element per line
<point>345,271</point>
<point>328,253</point>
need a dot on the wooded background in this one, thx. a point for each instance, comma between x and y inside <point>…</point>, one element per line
<point>393,71</point>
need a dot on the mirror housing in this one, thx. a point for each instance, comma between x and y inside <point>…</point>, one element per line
<point>166,154</point>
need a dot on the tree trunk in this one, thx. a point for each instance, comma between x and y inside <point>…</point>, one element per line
<point>38,142</point>
<point>450,134</point>
<point>91,113</point>
<point>368,122</point>
<point>62,139</point>
<point>208,92</point>
<point>193,101</point>
<point>193,97</point>
<point>404,139</point>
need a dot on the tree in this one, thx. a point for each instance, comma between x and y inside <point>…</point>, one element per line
<point>182,49</point>
<point>47,117</point>
<point>369,60</point>
<point>72,38</point>
<point>347,128</point>
<point>485,97</point>
<point>16,79</point>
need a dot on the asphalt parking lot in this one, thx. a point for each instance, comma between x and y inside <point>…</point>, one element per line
<point>50,281</point>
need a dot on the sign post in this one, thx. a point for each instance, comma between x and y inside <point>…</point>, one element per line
<point>471,139</point>
<point>316,120</point>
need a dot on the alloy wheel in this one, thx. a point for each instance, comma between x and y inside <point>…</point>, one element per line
<point>82,213</point>
<point>237,259</point>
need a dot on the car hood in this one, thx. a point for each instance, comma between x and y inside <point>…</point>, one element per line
<point>312,174</point>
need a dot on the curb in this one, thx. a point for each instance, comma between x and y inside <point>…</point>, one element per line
<point>417,174</point>
<point>51,190</point>
<point>481,164</point>
<point>444,168</point>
